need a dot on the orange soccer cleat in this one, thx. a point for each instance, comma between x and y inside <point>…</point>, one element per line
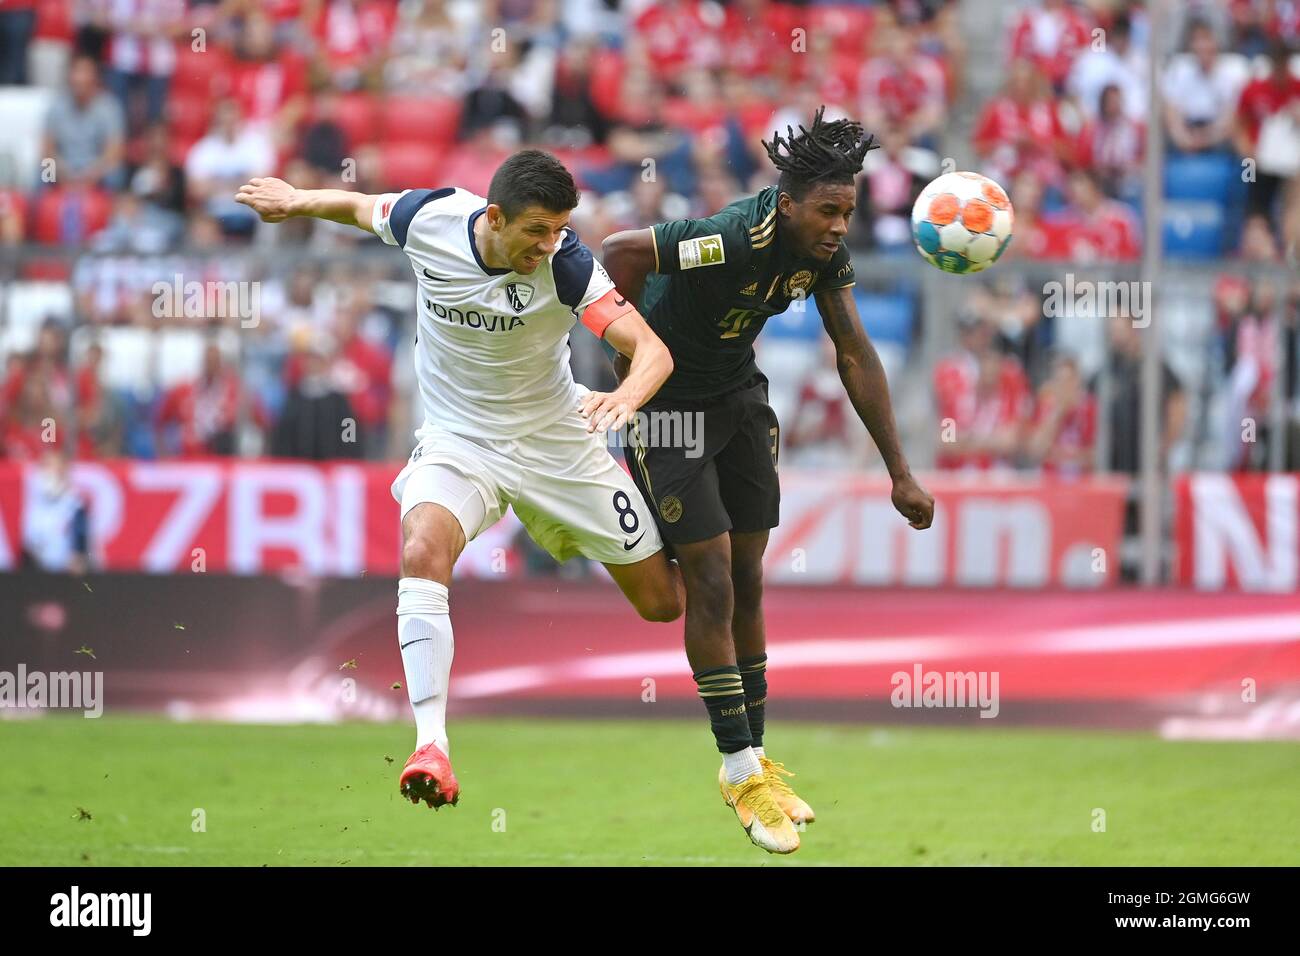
<point>428,776</point>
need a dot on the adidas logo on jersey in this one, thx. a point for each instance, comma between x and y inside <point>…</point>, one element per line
<point>751,289</point>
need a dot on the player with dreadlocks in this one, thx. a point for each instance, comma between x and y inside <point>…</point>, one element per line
<point>707,286</point>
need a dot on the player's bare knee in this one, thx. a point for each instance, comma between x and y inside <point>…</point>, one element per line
<point>708,586</point>
<point>425,556</point>
<point>664,605</point>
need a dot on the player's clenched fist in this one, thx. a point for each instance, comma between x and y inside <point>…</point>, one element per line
<point>270,198</point>
<point>913,502</point>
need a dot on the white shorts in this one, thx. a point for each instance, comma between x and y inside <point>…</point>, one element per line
<point>564,485</point>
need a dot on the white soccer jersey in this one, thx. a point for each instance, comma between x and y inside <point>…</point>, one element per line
<point>491,351</point>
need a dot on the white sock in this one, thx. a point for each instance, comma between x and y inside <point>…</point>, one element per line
<point>758,752</point>
<point>741,765</point>
<point>424,635</point>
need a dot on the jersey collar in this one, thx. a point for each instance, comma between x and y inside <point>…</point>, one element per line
<point>473,247</point>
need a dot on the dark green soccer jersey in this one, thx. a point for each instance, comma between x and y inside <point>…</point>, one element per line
<point>719,280</point>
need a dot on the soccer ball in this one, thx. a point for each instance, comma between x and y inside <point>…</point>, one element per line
<point>962,222</point>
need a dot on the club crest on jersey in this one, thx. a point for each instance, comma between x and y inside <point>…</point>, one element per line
<point>519,294</point>
<point>797,285</point>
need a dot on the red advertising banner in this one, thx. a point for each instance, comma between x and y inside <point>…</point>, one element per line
<point>1238,531</point>
<point>339,519</point>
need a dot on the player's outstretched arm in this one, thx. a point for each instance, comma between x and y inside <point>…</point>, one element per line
<point>864,381</point>
<point>629,256</point>
<point>623,327</point>
<point>275,201</point>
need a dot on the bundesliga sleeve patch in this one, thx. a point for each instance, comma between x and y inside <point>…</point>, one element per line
<point>701,251</point>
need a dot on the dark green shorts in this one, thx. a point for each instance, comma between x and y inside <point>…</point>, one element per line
<point>708,466</point>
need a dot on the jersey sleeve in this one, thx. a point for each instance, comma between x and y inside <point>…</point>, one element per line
<point>836,274</point>
<point>394,212</point>
<point>700,244</point>
<point>579,279</point>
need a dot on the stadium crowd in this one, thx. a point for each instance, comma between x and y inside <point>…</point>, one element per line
<point>152,112</point>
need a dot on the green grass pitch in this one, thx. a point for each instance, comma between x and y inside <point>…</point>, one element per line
<point>543,792</point>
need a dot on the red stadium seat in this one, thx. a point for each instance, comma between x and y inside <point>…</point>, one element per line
<point>189,115</point>
<point>357,115</point>
<point>410,165</point>
<point>411,119</point>
<point>49,223</point>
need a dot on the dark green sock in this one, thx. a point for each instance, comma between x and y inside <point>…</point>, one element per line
<point>753,674</point>
<point>723,694</point>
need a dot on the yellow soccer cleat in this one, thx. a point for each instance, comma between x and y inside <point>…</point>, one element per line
<point>791,804</point>
<point>758,813</point>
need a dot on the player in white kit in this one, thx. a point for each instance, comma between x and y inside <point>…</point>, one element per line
<point>501,282</point>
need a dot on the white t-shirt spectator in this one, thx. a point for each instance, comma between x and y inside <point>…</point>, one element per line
<point>1205,98</point>
<point>1093,72</point>
<point>213,157</point>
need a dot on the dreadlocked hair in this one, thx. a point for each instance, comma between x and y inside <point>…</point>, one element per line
<point>828,153</point>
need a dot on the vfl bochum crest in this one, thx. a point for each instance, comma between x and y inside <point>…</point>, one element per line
<point>519,294</point>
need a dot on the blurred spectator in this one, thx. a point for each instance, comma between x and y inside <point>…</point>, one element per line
<point>1022,129</point>
<point>198,418</point>
<point>323,144</point>
<point>352,37</point>
<point>1268,130</point>
<point>430,46</point>
<point>678,34</point>
<point>982,399</point>
<point>84,130</point>
<point>1257,242</point>
<point>1036,236</point>
<point>361,371</point>
<point>55,520</point>
<point>1250,335</point>
<point>892,178</point>
<point>37,395</point>
<point>268,80</point>
<point>574,120</point>
<point>36,418</point>
<point>138,227</point>
<point>1123,370</point>
<point>13,217</point>
<point>313,423</point>
<point>1050,34</point>
<point>898,87</point>
<point>1111,145</point>
<point>491,101</point>
<point>1120,63</point>
<point>1099,228</point>
<point>142,55</point>
<point>99,417</point>
<point>157,180</point>
<point>1201,87</point>
<point>640,134</point>
<point>824,430</point>
<point>1064,427</point>
<point>217,165</point>
<point>17,23</point>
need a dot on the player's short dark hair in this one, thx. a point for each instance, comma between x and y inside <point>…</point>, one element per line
<point>532,177</point>
<point>827,153</point>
